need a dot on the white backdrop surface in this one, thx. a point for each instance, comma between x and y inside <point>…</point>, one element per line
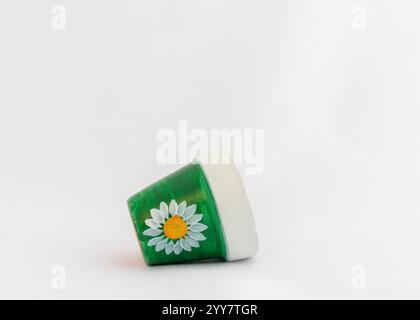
<point>334,84</point>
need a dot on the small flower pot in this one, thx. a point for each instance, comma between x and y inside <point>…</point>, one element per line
<point>200,212</point>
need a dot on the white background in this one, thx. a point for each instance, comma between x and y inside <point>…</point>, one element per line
<point>340,106</point>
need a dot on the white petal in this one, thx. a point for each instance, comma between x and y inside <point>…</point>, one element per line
<point>161,245</point>
<point>177,248</point>
<point>198,227</point>
<point>185,245</point>
<point>195,218</point>
<point>152,224</point>
<point>189,211</point>
<point>154,241</point>
<point>173,207</point>
<point>169,248</point>
<point>164,210</point>
<point>155,213</point>
<point>181,208</point>
<point>197,236</point>
<point>152,232</point>
<point>192,242</point>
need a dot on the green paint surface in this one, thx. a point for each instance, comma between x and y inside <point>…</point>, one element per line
<point>187,184</point>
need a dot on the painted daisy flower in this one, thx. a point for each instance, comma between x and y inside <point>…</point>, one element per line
<point>175,228</point>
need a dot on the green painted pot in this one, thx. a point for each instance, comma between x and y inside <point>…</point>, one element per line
<point>199,212</point>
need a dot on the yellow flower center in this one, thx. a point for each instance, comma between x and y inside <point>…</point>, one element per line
<point>175,228</point>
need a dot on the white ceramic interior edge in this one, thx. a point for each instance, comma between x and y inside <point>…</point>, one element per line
<point>234,210</point>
